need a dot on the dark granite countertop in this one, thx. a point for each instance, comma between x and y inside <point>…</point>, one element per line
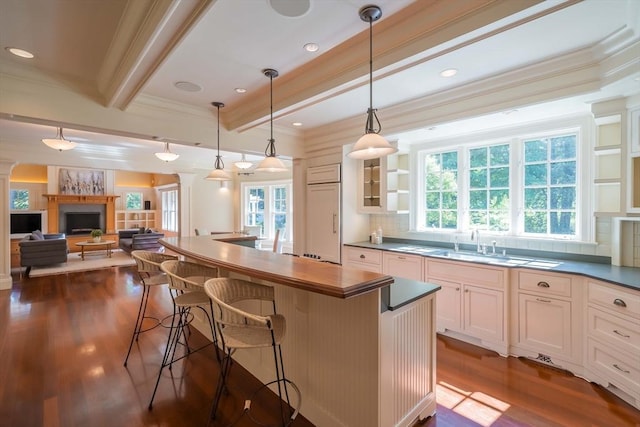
<point>404,291</point>
<point>624,276</point>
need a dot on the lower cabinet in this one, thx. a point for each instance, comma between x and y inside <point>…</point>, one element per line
<point>613,339</point>
<point>548,319</point>
<point>470,305</point>
<point>362,258</point>
<point>400,265</point>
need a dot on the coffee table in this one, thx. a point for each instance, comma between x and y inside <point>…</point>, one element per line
<point>96,246</point>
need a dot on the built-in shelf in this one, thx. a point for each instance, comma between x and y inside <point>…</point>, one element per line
<point>607,152</point>
<point>384,185</point>
<point>129,219</point>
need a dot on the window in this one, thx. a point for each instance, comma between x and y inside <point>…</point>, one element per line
<point>489,188</point>
<point>550,186</point>
<point>19,199</point>
<point>268,205</point>
<point>170,210</point>
<point>441,189</point>
<point>528,186</point>
<point>133,201</point>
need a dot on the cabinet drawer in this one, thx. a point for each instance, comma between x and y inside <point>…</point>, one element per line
<point>544,283</point>
<point>407,266</point>
<point>620,369</point>
<point>364,256</point>
<point>614,330</point>
<point>320,174</point>
<point>622,301</point>
<point>465,273</point>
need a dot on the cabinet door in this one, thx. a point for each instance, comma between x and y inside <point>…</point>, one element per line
<point>483,313</point>
<point>323,221</point>
<point>448,305</point>
<point>544,324</point>
<point>407,266</point>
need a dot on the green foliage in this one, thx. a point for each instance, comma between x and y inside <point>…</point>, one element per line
<point>96,233</point>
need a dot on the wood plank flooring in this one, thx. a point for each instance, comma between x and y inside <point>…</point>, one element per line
<point>63,340</point>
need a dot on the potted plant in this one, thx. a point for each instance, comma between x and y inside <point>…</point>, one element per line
<point>96,235</point>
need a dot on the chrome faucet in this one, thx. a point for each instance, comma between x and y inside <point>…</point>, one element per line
<point>476,234</point>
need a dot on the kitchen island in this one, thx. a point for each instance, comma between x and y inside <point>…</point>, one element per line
<point>360,346</point>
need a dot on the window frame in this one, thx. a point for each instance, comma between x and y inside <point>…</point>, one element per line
<point>269,209</point>
<point>515,137</point>
<point>170,215</point>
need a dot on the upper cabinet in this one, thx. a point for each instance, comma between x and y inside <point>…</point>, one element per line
<point>607,152</point>
<point>383,184</point>
<point>633,183</point>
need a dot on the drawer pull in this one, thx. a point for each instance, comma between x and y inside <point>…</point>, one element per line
<point>615,331</point>
<point>621,369</point>
<point>542,300</point>
<point>619,302</point>
<point>543,285</point>
<point>401,257</point>
<point>457,289</point>
<point>362,256</point>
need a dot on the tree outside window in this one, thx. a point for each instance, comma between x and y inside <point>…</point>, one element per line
<point>489,188</point>
<point>19,199</point>
<point>550,185</point>
<point>441,190</point>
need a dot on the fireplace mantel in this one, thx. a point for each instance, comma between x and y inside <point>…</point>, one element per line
<point>54,201</point>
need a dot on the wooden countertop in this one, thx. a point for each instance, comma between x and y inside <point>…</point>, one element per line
<point>323,278</point>
<point>231,237</point>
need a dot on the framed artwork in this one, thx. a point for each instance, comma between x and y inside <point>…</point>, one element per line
<point>79,181</point>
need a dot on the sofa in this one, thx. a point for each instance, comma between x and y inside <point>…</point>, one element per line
<point>38,249</point>
<point>139,239</point>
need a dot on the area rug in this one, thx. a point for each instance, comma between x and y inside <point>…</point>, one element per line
<point>91,262</point>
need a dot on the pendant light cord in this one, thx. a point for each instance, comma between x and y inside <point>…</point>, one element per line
<point>270,151</point>
<point>371,112</point>
<point>219,164</point>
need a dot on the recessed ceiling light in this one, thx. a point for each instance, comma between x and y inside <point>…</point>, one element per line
<point>188,86</point>
<point>240,90</point>
<point>296,124</point>
<point>449,72</point>
<point>20,52</point>
<point>311,47</point>
<point>291,9</point>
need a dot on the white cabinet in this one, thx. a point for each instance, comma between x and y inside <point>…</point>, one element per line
<point>608,182</point>
<point>613,339</point>
<point>401,265</point>
<point>384,184</point>
<point>363,259</point>
<point>471,302</point>
<point>323,221</point>
<point>129,219</point>
<point>547,322</point>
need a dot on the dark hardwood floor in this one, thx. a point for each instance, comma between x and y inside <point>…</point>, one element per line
<point>63,340</point>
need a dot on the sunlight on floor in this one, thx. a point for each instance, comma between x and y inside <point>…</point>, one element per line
<point>475,406</point>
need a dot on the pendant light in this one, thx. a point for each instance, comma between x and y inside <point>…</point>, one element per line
<point>271,163</point>
<point>218,174</point>
<point>166,155</point>
<point>59,143</point>
<point>371,145</point>
<point>243,163</point>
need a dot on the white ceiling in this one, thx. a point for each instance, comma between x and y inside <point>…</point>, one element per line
<point>123,51</point>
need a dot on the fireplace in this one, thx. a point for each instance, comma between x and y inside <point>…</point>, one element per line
<point>82,222</point>
<point>58,205</point>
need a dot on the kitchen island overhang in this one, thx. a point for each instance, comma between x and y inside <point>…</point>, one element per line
<point>360,347</point>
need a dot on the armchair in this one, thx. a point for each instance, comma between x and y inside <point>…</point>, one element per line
<point>38,249</point>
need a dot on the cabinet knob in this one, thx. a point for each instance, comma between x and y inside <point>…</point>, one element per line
<point>543,285</point>
<point>457,289</point>
<point>619,302</point>
<point>362,256</point>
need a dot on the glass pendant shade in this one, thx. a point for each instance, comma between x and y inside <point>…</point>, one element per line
<point>243,163</point>
<point>59,143</point>
<point>271,164</point>
<point>371,145</point>
<point>218,173</point>
<point>166,155</point>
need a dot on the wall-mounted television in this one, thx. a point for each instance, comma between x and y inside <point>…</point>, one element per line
<point>25,222</point>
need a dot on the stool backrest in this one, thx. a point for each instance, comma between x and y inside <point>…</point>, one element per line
<point>149,261</point>
<point>224,292</point>
<point>187,276</point>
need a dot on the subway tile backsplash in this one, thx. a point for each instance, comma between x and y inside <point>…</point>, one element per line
<point>397,225</point>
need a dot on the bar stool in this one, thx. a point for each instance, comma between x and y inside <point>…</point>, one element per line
<point>148,265</point>
<point>186,280</point>
<point>239,329</point>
